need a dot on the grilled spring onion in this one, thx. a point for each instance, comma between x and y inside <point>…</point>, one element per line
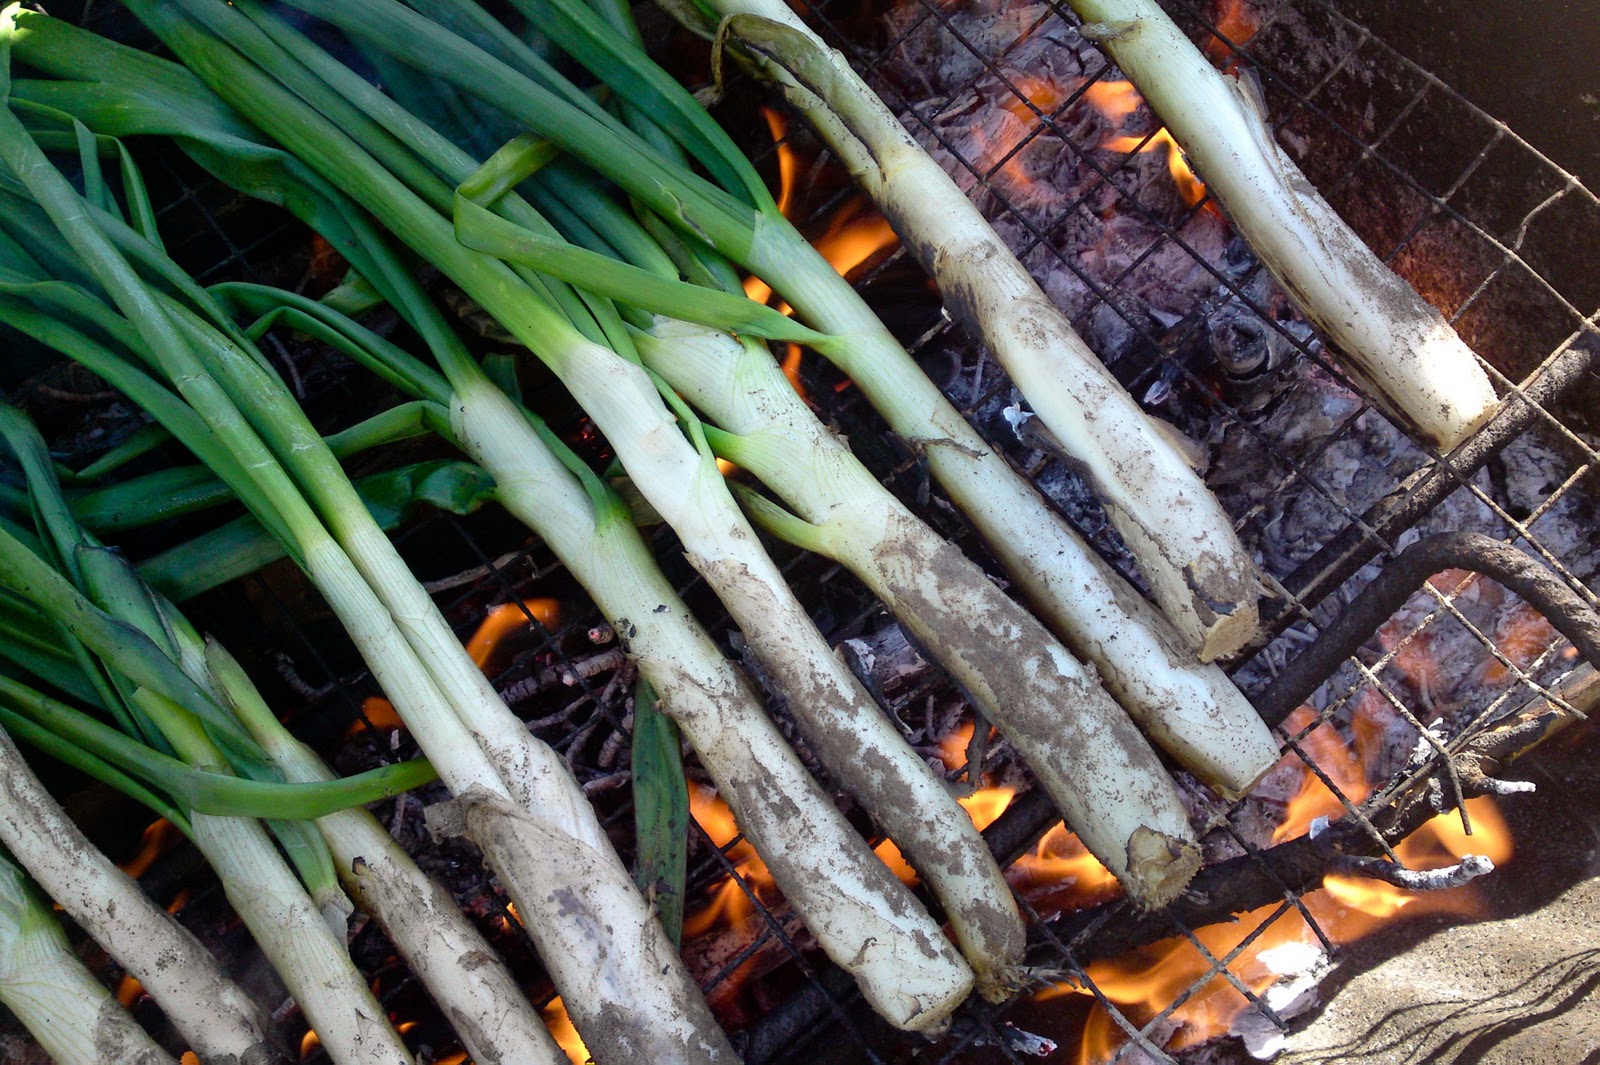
<point>1017,523</point>
<point>135,648</point>
<point>1179,534</point>
<point>678,475</point>
<point>73,1016</point>
<point>214,1016</point>
<point>536,827</point>
<point>1397,345</point>
<point>859,913</point>
<point>486,1006</point>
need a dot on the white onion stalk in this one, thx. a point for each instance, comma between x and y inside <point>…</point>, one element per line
<point>1398,346</point>
<point>466,978</point>
<point>851,735</point>
<point>1181,537</point>
<point>217,1019</point>
<point>70,1013</point>
<point>864,918</point>
<point>1084,751</point>
<point>621,1026</point>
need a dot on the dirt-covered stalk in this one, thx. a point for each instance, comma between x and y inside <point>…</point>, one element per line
<point>679,479</point>
<point>1396,344</point>
<point>1101,773</point>
<point>861,915</point>
<point>72,1015</point>
<point>213,1014</point>
<point>484,1004</point>
<point>1181,537</point>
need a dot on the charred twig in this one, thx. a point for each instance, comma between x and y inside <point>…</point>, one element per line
<point>1406,573</point>
<point>564,675</point>
<point>471,576</point>
<point>1468,869</point>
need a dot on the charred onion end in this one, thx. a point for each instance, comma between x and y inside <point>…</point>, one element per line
<point>1396,344</point>
<point>1159,867</point>
<point>621,979</point>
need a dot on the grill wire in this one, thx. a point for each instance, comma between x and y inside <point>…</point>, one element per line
<point>1517,234</point>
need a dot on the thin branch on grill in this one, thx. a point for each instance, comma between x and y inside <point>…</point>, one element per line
<point>1399,347</point>
<point>1184,542</point>
<point>1465,871</point>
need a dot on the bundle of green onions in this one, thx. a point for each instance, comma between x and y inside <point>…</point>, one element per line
<point>178,752</point>
<point>594,240</point>
<point>531,819</point>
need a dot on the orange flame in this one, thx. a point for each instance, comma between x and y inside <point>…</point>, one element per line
<point>855,235</point>
<point>1236,22</point>
<point>565,1035</point>
<point>1346,908</point>
<point>729,905</point>
<point>1116,100</point>
<point>158,836</point>
<point>500,622</point>
<point>309,1042</point>
<point>128,991</point>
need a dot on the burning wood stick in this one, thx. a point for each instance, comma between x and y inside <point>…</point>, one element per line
<point>1183,540</point>
<point>1399,347</point>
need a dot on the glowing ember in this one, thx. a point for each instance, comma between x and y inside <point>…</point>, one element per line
<point>566,1036</point>
<point>1236,22</point>
<point>128,991</point>
<point>501,622</point>
<point>189,1058</point>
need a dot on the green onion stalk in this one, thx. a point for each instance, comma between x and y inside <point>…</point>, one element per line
<point>487,1007</point>
<point>218,1020</point>
<point>737,216</point>
<point>678,476</point>
<point>1191,710</point>
<point>75,1018</point>
<point>1395,343</point>
<point>135,648</point>
<point>624,984</point>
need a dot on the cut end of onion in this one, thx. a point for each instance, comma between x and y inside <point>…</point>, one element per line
<point>1159,867</point>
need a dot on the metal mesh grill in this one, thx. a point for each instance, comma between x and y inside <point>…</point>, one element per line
<point>1414,166</point>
